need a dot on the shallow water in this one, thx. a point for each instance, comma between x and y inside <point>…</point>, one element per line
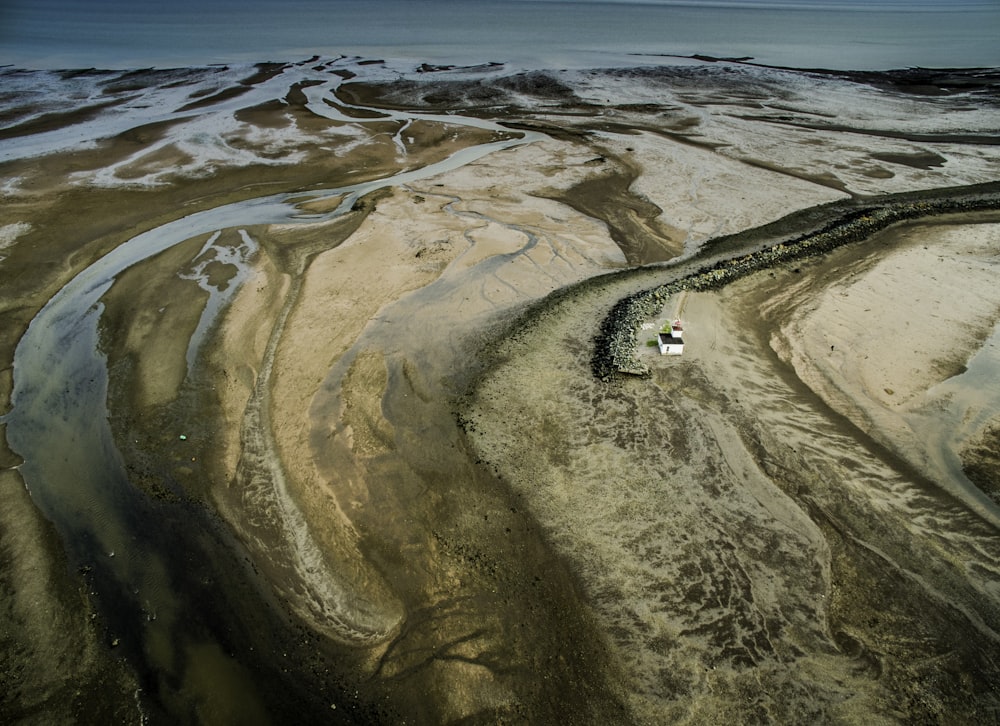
<point>165,570</point>
<point>162,610</point>
<point>955,412</point>
<point>115,33</point>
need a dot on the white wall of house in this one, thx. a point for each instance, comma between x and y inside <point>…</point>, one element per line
<point>670,345</point>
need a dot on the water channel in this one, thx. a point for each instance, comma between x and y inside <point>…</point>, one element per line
<point>174,588</point>
<point>160,570</point>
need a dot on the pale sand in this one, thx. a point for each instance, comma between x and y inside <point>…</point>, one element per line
<point>712,544</point>
<point>886,328</point>
<point>898,322</point>
<point>457,230</point>
<point>720,517</point>
<point>705,194</point>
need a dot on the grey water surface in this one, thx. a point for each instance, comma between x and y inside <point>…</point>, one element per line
<point>842,35</point>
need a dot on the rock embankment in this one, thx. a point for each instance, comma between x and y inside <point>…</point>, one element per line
<point>615,344</point>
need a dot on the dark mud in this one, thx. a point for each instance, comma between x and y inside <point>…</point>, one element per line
<point>981,462</point>
<point>56,663</point>
<point>488,532</point>
<point>632,221</point>
<point>754,556</point>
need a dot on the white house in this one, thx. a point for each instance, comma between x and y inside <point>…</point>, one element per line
<point>672,343</point>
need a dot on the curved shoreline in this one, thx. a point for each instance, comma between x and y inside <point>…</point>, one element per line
<point>615,343</point>
<point>535,552</point>
<point>730,530</point>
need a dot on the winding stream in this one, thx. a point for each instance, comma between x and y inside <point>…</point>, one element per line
<point>160,569</point>
<point>140,552</point>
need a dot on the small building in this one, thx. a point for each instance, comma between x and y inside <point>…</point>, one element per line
<point>672,343</point>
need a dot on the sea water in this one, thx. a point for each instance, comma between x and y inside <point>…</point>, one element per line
<point>880,34</point>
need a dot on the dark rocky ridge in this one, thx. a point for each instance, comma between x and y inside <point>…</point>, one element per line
<point>615,343</point>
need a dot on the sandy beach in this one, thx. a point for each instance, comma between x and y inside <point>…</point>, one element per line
<point>356,461</point>
<point>688,493</point>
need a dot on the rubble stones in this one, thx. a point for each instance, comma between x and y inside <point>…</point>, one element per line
<point>616,343</point>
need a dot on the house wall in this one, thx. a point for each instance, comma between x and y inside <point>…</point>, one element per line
<point>671,348</point>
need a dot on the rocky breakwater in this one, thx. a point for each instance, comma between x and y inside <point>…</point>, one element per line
<point>615,345</point>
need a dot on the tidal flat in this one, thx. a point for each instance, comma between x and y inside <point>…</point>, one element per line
<point>301,421</point>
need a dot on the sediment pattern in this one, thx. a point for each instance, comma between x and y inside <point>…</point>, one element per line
<point>615,345</point>
<point>753,555</point>
<point>360,460</point>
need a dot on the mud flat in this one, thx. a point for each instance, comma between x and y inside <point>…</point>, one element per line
<point>754,550</point>
<point>355,464</point>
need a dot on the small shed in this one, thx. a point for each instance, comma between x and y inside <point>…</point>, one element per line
<point>672,343</point>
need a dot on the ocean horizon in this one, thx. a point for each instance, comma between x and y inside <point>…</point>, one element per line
<point>54,34</point>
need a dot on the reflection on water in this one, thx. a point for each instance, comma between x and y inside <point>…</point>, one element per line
<point>955,412</point>
<point>163,574</point>
<point>840,35</point>
<point>220,292</point>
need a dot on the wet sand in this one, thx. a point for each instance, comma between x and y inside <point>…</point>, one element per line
<point>408,497</point>
<point>755,554</point>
